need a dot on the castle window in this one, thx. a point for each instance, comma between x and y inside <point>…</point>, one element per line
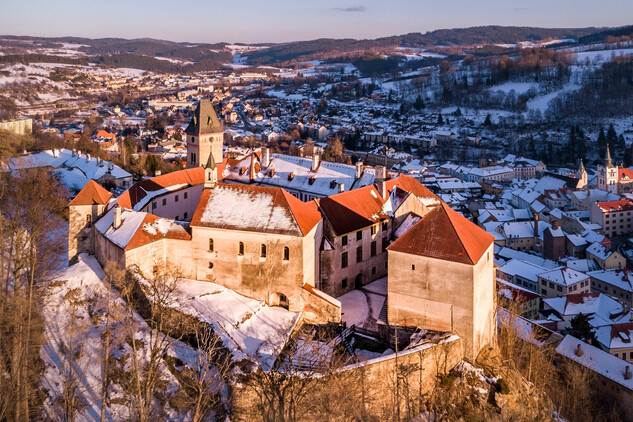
<point>384,226</point>
<point>263,251</point>
<point>164,201</point>
<point>413,267</point>
<point>240,249</point>
<point>385,243</point>
<point>359,235</point>
<point>185,195</point>
<point>185,217</point>
<point>373,248</point>
<point>89,220</point>
<point>373,230</point>
<point>373,270</point>
<point>210,245</point>
<point>286,253</point>
<point>176,198</point>
<point>344,283</point>
<point>344,260</point>
<point>154,204</point>
<point>359,254</point>
<point>210,264</point>
<point>193,139</point>
<point>344,240</point>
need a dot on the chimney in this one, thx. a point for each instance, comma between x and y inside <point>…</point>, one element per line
<point>627,372</point>
<point>554,224</point>
<point>359,169</point>
<point>265,157</point>
<point>87,157</point>
<point>535,225</point>
<point>117,217</point>
<point>381,172</point>
<point>316,158</point>
<point>341,187</point>
<point>578,350</point>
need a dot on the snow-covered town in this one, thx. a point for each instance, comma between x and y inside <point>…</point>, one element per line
<point>430,226</point>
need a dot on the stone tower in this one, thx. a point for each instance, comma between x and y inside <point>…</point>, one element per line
<point>204,135</point>
<point>89,204</point>
<point>608,175</point>
<point>582,176</point>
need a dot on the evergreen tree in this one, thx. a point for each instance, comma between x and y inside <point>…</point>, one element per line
<point>440,119</point>
<point>602,142</point>
<point>581,328</point>
<point>488,121</point>
<point>419,103</point>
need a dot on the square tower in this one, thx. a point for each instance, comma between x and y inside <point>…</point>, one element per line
<point>204,135</point>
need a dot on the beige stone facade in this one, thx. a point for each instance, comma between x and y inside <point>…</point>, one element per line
<point>444,296</point>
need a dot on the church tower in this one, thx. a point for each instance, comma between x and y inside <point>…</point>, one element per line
<point>608,175</point>
<point>204,135</point>
<point>582,176</point>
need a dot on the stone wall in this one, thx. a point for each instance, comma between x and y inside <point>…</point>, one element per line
<point>376,389</point>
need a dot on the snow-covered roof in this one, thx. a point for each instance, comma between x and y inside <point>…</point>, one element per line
<point>602,309</point>
<point>599,251</point>
<point>522,269</point>
<point>564,276</point>
<point>595,359</point>
<point>618,277</point>
<point>75,169</point>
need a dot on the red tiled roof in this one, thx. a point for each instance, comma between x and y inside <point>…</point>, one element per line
<point>353,210</point>
<point>444,234</point>
<point>621,205</point>
<point>625,173</point>
<point>410,184</point>
<point>579,298</point>
<point>105,134</point>
<point>305,216</point>
<point>142,237</point>
<point>91,194</point>
<point>190,177</point>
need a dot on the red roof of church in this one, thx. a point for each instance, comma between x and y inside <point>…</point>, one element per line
<point>91,194</point>
<point>444,234</point>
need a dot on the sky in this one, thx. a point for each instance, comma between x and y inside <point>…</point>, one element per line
<point>290,20</point>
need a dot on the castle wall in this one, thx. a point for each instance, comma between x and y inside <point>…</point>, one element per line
<point>181,203</point>
<point>375,382</point>
<point>80,233</point>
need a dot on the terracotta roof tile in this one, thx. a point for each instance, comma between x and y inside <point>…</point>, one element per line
<point>143,237</point>
<point>91,194</point>
<point>353,210</point>
<point>444,234</point>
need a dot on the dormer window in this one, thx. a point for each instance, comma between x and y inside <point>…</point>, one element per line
<point>242,170</point>
<point>311,180</point>
<point>271,173</point>
<point>333,184</point>
<point>291,176</point>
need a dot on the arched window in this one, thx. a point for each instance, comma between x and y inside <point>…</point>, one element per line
<point>263,251</point>
<point>240,250</point>
<point>286,253</point>
<point>210,245</point>
<point>210,264</point>
<point>89,220</point>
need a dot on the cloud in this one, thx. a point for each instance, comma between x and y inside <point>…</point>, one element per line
<point>350,9</point>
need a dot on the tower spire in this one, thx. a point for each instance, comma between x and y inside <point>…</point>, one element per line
<point>210,173</point>
<point>582,167</point>
<point>609,163</point>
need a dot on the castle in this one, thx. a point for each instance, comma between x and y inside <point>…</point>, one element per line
<point>264,242</point>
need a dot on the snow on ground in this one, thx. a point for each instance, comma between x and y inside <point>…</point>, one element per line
<point>518,87</point>
<point>542,102</point>
<point>248,327</point>
<point>354,308</point>
<point>77,304</point>
<point>602,55</point>
<point>361,307</point>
